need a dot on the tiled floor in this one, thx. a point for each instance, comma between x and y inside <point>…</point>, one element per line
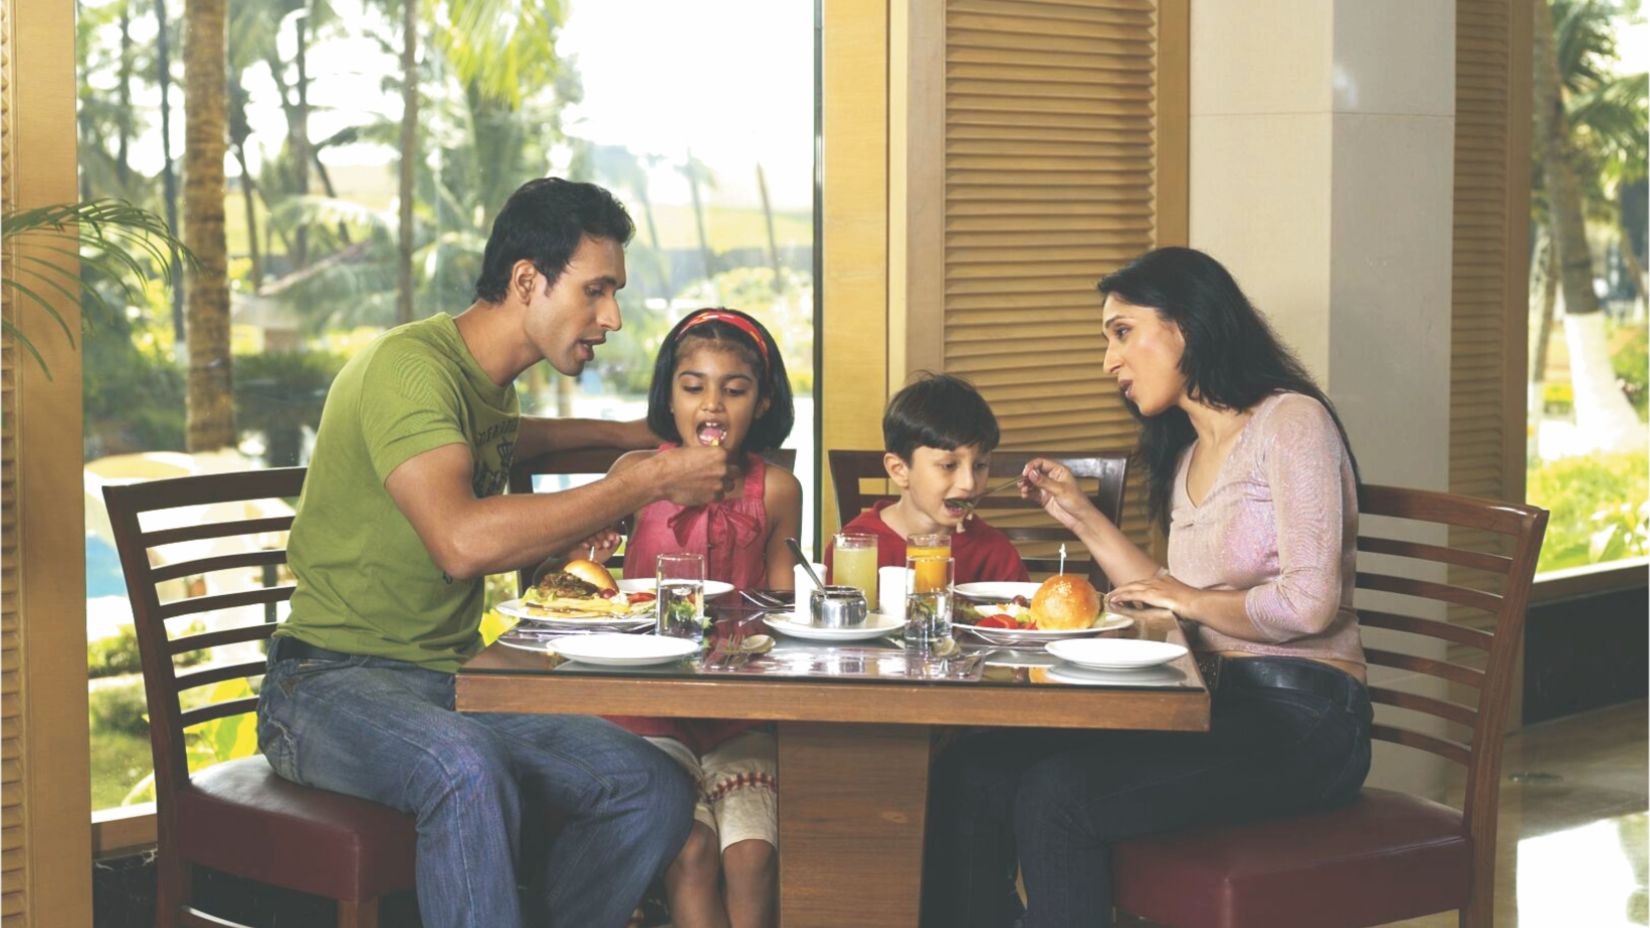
<point>1571,843</point>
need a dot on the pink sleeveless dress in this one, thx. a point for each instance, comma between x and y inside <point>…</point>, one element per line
<point>733,535</point>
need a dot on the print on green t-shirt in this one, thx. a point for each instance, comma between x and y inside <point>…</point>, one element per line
<point>366,583</point>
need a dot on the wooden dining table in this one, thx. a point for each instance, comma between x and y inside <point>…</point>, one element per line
<point>855,737</point>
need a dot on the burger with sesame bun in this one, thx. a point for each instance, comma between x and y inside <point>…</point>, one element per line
<point>583,588</point>
<point>1065,602</point>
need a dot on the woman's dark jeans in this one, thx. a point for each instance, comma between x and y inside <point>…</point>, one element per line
<point>1053,801</point>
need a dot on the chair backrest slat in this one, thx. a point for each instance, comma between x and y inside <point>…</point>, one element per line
<point>1443,708</point>
<point>1106,471</point>
<point>218,673</point>
<point>1432,628</point>
<point>1428,589</point>
<point>218,710</point>
<point>590,462</point>
<point>1494,563</point>
<point>209,530</point>
<point>219,638</point>
<point>271,558</point>
<point>1453,750</point>
<point>198,604</point>
<point>237,561</point>
<point>1456,673</point>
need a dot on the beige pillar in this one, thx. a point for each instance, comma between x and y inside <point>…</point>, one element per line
<point>1322,161</point>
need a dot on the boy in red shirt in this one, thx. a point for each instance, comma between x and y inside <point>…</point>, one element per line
<point>939,433</point>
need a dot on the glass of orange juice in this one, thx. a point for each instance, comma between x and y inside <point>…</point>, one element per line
<point>922,553</point>
<point>854,563</point>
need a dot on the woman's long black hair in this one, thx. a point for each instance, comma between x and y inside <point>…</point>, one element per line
<point>1232,360</point>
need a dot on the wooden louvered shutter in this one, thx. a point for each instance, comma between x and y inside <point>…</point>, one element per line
<point>45,794</point>
<point>13,854</point>
<point>1488,329</point>
<point>1064,157</point>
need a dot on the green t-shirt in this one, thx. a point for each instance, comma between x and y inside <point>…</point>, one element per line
<point>366,583</point>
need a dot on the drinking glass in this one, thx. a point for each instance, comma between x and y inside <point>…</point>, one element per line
<point>928,547</point>
<point>681,603</point>
<point>928,603</point>
<point>854,563</point>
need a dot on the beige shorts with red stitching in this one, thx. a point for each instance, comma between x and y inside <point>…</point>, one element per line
<point>738,786</point>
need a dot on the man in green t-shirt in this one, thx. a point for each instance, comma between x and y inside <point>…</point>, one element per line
<point>401,518</point>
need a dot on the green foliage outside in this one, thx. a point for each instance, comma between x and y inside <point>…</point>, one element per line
<point>1630,359</point>
<point>122,768</point>
<point>117,654</point>
<point>1599,508</point>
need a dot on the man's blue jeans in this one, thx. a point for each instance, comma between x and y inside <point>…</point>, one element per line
<point>387,731</point>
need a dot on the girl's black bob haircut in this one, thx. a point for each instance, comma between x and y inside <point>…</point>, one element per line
<point>770,429</point>
<point>938,411</point>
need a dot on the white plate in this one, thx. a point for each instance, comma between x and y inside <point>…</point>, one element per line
<point>713,588</point>
<point>1109,622</point>
<point>996,591</point>
<point>521,610</point>
<point>876,625</point>
<point>1116,653</point>
<point>1146,676</point>
<point>623,650</point>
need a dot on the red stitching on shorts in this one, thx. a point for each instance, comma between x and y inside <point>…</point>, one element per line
<point>740,781</point>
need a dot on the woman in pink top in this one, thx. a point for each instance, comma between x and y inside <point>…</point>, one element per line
<point>1253,482</point>
<point>719,380</point>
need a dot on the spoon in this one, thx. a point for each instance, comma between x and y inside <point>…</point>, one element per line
<point>802,559</point>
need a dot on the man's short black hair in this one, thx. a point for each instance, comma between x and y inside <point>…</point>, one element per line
<point>938,411</point>
<point>543,222</point>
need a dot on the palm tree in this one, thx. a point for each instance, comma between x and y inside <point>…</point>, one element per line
<point>211,401</point>
<point>1573,92</point>
<point>163,76</point>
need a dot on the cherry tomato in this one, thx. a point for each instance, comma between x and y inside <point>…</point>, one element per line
<point>607,594</point>
<point>999,620</point>
<point>643,597</point>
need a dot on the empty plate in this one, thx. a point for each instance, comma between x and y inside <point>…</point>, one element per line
<point>615,650</point>
<point>876,625</point>
<point>1115,653</point>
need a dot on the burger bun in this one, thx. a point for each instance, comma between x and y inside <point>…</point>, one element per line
<point>592,573</point>
<point>1065,602</point>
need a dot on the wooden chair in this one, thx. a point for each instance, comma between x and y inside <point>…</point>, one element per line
<point>1387,856</point>
<point>237,816</point>
<point>1103,471</point>
<point>593,463</point>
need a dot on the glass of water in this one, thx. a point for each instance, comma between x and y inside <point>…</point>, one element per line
<point>681,603</point>
<point>928,603</point>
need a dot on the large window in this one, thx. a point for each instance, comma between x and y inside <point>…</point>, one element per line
<point>1587,375</point>
<point>700,116</point>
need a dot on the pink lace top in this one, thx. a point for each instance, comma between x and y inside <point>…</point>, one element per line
<point>731,533</point>
<point>1281,521</point>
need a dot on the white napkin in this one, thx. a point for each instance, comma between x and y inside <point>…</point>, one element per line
<point>892,582</point>
<point>805,585</point>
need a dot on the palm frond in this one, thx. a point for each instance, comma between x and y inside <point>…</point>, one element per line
<point>110,236</point>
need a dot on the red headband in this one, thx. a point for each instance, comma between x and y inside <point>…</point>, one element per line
<point>738,322</point>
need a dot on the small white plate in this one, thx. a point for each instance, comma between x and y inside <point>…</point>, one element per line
<point>713,588</point>
<point>1109,622</point>
<point>1145,676</point>
<point>996,591</point>
<point>1116,653</point>
<point>876,625</point>
<point>623,650</point>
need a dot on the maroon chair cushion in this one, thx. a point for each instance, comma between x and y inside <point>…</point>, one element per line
<point>241,818</point>
<point>1385,857</point>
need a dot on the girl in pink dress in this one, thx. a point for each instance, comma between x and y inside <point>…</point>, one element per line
<point>719,380</point>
